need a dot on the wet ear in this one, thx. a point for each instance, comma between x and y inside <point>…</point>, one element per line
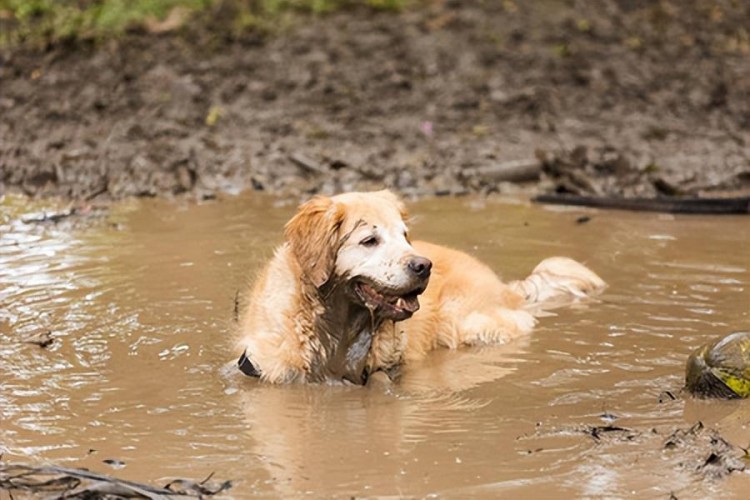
<point>313,236</point>
<point>394,200</point>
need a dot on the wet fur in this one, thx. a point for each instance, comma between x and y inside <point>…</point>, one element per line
<point>303,325</point>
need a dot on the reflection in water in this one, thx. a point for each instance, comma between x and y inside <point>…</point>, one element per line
<point>355,438</point>
<point>141,312</point>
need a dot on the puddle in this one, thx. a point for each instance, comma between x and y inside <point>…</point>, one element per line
<point>140,309</point>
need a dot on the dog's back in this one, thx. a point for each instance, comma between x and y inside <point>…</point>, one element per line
<point>466,303</point>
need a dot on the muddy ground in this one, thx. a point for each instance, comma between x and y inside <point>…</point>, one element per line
<point>641,98</point>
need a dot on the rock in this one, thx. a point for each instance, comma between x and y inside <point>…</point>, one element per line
<point>720,369</point>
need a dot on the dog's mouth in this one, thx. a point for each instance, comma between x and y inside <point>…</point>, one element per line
<point>392,305</point>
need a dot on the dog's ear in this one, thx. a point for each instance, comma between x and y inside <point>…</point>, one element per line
<point>395,201</point>
<point>313,236</point>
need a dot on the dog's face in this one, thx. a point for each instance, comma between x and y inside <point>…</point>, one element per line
<point>361,239</point>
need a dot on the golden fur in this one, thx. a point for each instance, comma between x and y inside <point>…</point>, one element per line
<point>308,321</point>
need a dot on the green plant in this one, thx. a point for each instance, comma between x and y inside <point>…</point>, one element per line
<point>38,22</point>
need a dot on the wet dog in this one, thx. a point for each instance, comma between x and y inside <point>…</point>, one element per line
<point>348,294</point>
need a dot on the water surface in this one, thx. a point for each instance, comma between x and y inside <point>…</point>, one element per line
<point>141,310</point>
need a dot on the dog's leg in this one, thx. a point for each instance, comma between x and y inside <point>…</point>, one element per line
<point>493,326</point>
<point>557,282</point>
<point>491,314</point>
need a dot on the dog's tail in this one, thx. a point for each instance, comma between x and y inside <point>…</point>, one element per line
<point>558,282</point>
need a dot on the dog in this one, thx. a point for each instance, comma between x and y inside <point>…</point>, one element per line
<point>349,294</point>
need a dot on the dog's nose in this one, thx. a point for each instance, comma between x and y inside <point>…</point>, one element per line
<point>420,266</point>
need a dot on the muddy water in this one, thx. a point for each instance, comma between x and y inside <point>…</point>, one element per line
<point>141,308</point>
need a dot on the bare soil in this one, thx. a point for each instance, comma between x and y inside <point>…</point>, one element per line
<point>642,99</point>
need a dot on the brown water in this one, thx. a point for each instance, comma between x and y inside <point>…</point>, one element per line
<point>141,309</point>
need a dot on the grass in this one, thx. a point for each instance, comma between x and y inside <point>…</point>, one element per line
<point>43,22</point>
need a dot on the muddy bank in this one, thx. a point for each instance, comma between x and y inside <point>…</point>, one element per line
<point>642,99</point>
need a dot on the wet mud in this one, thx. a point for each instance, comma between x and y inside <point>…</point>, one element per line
<point>118,356</point>
<point>636,99</point>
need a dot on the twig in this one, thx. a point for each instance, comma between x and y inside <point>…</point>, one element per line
<point>21,477</point>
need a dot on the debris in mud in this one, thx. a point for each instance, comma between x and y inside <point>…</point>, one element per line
<point>54,217</point>
<point>584,171</point>
<point>80,483</point>
<point>678,437</point>
<point>77,213</point>
<point>608,417</point>
<point>697,449</point>
<point>114,463</point>
<point>606,178</point>
<point>666,396</point>
<point>599,433</point>
<point>511,171</point>
<point>706,452</point>
<point>308,165</point>
<point>42,339</point>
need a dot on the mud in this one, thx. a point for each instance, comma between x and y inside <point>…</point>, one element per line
<point>641,98</point>
<point>138,375</point>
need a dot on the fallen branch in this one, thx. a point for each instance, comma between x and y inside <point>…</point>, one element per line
<point>82,483</point>
<point>672,205</point>
<point>509,171</point>
<point>306,163</point>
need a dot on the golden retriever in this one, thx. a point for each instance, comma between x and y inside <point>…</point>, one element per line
<point>348,294</point>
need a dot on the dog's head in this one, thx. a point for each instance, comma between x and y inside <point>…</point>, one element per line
<point>361,241</point>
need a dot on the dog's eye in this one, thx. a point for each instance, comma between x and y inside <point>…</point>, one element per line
<point>370,241</point>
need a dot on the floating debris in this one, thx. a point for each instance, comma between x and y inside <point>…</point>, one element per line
<point>43,339</point>
<point>114,463</point>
